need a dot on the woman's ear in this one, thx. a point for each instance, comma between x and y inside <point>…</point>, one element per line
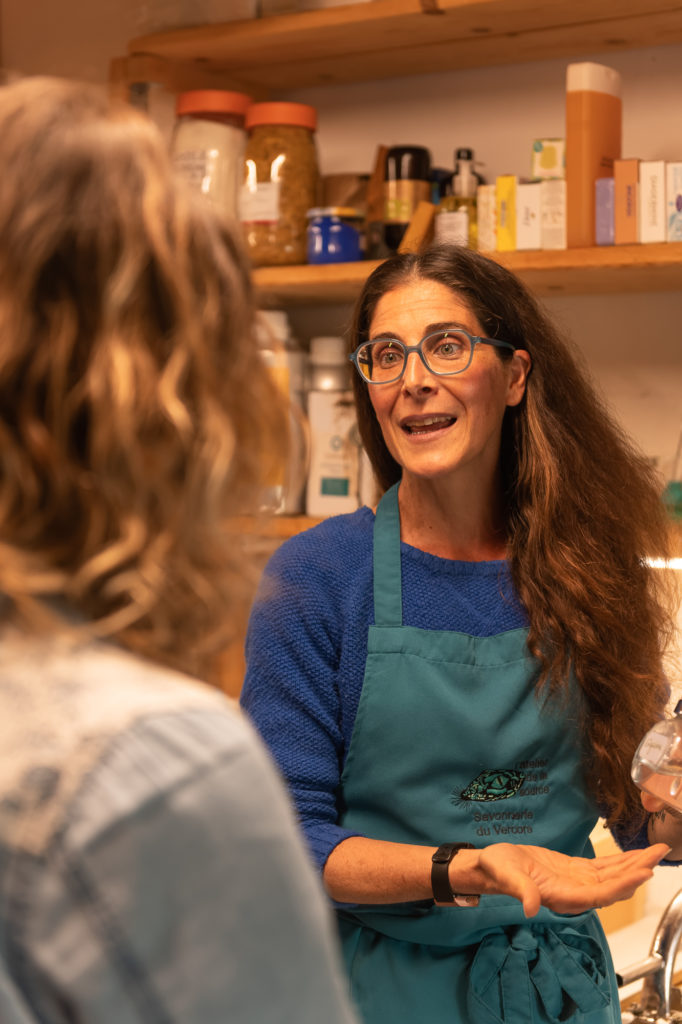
<point>519,369</point>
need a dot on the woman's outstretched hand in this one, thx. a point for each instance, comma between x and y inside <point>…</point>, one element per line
<point>568,885</point>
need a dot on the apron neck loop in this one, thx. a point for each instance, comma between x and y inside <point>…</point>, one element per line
<point>388,601</point>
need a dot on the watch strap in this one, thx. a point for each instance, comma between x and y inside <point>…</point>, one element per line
<point>440,878</point>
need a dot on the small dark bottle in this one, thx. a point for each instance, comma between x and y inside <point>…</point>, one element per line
<point>406,184</point>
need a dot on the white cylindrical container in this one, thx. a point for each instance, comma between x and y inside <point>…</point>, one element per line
<point>284,494</point>
<point>208,144</point>
<point>333,478</point>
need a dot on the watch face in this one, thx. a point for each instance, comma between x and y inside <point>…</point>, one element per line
<point>465,900</point>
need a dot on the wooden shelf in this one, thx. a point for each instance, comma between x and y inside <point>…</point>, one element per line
<point>602,270</point>
<point>394,38</point>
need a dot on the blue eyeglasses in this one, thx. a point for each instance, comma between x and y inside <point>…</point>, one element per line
<point>444,353</point>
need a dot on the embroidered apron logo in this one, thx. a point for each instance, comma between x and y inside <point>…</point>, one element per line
<point>492,784</point>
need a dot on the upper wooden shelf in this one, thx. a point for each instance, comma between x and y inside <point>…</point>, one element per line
<point>602,270</point>
<point>394,38</point>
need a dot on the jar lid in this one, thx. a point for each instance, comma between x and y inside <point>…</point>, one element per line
<point>346,212</point>
<point>211,101</point>
<point>299,114</point>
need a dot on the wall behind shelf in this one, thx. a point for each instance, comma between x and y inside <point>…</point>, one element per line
<point>632,344</point>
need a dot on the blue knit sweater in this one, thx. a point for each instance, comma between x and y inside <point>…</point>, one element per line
<point>306,648</point>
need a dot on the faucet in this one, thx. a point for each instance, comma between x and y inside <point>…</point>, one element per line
<point>657,969</point>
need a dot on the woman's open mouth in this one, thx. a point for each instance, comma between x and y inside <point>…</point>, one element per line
<point>427,424</point>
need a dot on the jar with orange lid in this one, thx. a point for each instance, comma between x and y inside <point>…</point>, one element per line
<point>208,144</point>
<point>280,183</point>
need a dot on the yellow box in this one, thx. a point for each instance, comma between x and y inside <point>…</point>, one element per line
<point>505,193</point>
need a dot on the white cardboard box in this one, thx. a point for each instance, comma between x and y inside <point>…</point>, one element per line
<point>528,221</point>
<point>486,217</point>
<point>652,201</point>
<point>673,202</point>
<point>553,214</point>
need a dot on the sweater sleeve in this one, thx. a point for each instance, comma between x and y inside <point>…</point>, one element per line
<point>291,689</point>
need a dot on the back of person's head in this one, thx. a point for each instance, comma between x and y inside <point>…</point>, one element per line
<point>135,414</point>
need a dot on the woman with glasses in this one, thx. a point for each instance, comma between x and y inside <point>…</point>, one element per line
<point>454,683</point>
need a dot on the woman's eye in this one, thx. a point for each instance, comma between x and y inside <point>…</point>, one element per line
<point>448,348</point>
<point>388,356</point>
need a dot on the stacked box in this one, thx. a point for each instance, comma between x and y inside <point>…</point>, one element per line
<point>505,196</point>
<point>553,213</point>
<point>625,201</point>
<point>486,209</point>
<point>673,193</point>
<point>652,201</point>
<point>603,207</point>
<point>528,215</point>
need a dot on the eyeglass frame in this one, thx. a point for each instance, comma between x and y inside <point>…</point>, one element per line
<point>473,339</point>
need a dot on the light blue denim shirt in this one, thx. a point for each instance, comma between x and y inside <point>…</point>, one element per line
<point>151,871</point>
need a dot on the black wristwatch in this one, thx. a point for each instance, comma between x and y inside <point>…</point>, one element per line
<point>440,878</point>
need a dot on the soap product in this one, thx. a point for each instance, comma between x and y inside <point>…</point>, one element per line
<point>593,142</point>
<point>505,200</point>
<point>486,209</point>
<point>673,193</point>
<point>625,201</point>
<point>604,218</point>
<point>333,479</point>
<point>456,219</point>
<point>553,213</point>
<point>548,159</point>
<point>652,201</point>
<point>528,215</point>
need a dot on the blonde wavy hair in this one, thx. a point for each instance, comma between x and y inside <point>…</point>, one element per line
<point>135,414</point>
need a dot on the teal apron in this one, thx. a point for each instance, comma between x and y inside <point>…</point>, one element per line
<point>450,744</point>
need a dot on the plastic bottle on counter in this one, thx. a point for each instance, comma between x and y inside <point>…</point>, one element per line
<point>333,478</point>
<point>281,182</point>
<point>456,220</point>
<point>657,764</point>
<point>284,494</point>
<point>208,141</point>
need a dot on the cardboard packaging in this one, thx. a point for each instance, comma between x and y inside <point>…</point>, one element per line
<point>486,204</point>
<point>505,199</point>
<point>553,213</point>
<point>528,216</point>
<point>548,159</point>
<point>652,201</point>
<point>593,142</point>
<point>673,192</point>
<point>604,222</point>
<point>625,201</point>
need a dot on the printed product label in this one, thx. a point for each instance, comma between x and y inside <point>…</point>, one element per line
<point>453,226</point>
<point>198,167</point>
<point>402,198</point>
<point>259,203</point>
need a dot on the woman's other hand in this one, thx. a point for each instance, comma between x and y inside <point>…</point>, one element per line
<point>568,885</point>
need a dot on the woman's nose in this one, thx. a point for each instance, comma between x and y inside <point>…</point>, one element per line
<point>417,376</point>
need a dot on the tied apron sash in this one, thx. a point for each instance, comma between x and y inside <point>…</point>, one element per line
<point>446,726</point>
<point>516,970</point>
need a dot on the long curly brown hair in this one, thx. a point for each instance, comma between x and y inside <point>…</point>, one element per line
<point>135,414</point>
<point>583,513</point>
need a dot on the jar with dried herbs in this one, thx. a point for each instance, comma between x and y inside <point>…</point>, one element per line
<point>281,181</point>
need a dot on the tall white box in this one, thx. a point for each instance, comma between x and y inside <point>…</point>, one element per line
<point>553,214</point>
<point>673,202</point>
<point>652,201</point>
<point>528,221</point>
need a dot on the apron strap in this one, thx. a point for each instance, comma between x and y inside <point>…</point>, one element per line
<point>388,599</point>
